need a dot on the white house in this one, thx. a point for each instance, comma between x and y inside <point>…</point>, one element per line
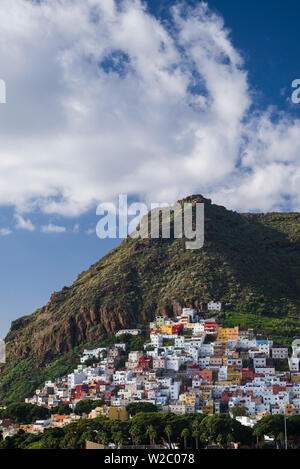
<point>198,328</point>
<point>128,331</point>
<point>280,353</point>
<point>259,362</point>
<point>294,363</point>
<point>156,340</point>
<point>173,363</point>
<point>214,306</point>
<point>75,379</point>
<point>174,390</point>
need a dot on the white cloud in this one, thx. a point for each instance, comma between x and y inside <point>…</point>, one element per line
<point>24,224</point>
<point>53,228</point>
<point>269,174</point>
<point>101,100</point>
<point>5,231</point>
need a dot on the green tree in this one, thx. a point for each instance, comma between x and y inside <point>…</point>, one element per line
<point>104,438</point>
<point>85,406</point>
<point>238,411</point>
<point>118,438</point>
<point>134,407</point>
<point>216,428</point>
<point>169,433</point>
<point>270,425</point>
<point>293,430</point>
<point>152,434</point>
<point>134,433</point>
<point>62,409</point>
<point>185,434</point>
<point>196,432</point>
<point>51,438</point>
<point>22,412</point>
<point>221,439</point>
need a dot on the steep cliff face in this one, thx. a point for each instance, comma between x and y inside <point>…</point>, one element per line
<point>250,262</point>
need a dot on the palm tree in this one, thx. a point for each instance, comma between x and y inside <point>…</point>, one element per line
<point>118,438</point>
<point>169,433</point>
<point>185,434</point>
<point>152,434</point>
<point>221,440</point>
<point>104,438</point>
<point>230,438</point>
<point>280,438</point>
<point>196,432</point>
<point>134,433</point>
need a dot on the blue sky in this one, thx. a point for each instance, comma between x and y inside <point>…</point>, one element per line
<point>267,35</point>
<point>106,108</point>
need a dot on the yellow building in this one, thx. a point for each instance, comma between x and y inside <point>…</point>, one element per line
<point>167,329</point>
<point>205,393</point>
<point>188,398</point>
<point>26,428</point>
<point>234,374</point>
<point>229,333</point>
<point>223,383</point>
<point>208,408</point>
<point>236,380</point>
<point>97,412</point>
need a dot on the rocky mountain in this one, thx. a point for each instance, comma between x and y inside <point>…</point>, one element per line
<point>250,262</point>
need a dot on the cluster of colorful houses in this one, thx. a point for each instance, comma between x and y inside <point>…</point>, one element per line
<point>189,364</point>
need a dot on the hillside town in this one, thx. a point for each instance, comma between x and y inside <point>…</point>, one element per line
<point>188,364</point>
